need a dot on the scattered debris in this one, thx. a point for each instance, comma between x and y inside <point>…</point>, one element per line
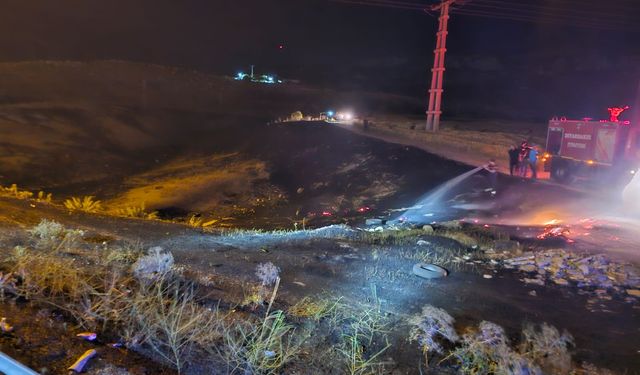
<point>533,293</point>
<point>565,267</point>
<point>79,365</point>
<point>487,276</point>
<point>371,222</point>
<point>423,243</point>
<point>4,326</point>
<point>89,336</point>
<point>633,292</point>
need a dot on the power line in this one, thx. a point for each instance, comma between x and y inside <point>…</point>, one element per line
<point>522,12</point>
<point>578,14</point>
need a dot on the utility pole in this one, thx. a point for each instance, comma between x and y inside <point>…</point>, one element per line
<point>437,72</point>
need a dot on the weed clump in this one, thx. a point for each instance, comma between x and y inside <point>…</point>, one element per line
<point>431,327</point>
<point>53,236</point>
<point>268,273</point>
<point>154,265</point>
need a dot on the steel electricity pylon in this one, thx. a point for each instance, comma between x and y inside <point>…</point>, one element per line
<point>437,72</point>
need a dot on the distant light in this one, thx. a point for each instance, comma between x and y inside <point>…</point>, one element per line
<point>330,113</point>
<point>590,162</point>
<point>280,46</point>
<point>240,76</point>
<point>348,116</point>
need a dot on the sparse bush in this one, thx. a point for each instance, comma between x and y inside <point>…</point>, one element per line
<point>86,203</point>
<point>430,327</point>
<point>156,264</point>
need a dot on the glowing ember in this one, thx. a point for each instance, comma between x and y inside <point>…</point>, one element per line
<point>326,213</point>
<point>553,222</point>
<point>364,209</point>
<point>554,232</point>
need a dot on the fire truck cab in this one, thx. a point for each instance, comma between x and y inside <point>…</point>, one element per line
<point>594,150</point>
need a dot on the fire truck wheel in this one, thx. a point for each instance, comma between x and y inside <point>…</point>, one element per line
<point>561,173</point>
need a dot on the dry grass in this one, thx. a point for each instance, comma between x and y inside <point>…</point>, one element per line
<point>315,309</point>
<point>139,212</point>
<point>262,347</point>
<point>13,192</point>
<point>364,341</point>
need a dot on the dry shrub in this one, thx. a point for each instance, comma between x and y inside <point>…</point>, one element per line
<point>548,348</point>
<point>488,351</point>
<point>128,253</point>
<point>45,275</point>
<point>167,319</point>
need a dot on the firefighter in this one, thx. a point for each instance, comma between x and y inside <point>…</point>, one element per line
<point>533,160</point>
<point>523,158</point>
<point>513,159</point>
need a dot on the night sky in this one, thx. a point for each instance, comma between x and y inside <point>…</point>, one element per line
<point>496,67</point>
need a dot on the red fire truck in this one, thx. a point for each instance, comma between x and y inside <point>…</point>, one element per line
<point>587,149</point>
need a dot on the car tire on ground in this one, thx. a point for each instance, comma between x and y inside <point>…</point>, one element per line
<point>429,271</point>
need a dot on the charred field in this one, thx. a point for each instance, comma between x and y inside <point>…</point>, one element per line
<point>219,242</point>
